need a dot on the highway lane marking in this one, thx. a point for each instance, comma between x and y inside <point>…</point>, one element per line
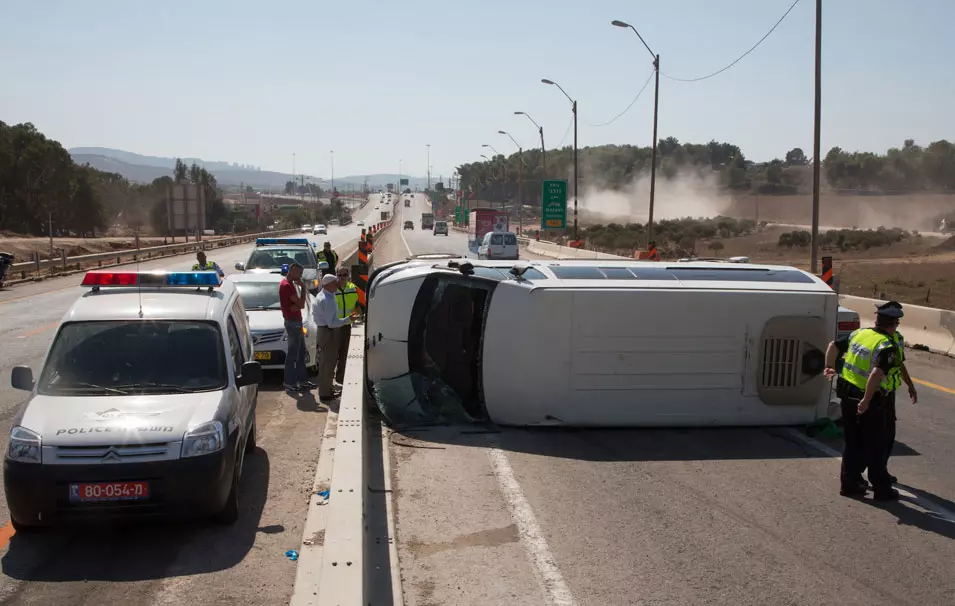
<point>531,534</point>
<point>934,386</point>
<point>407,247</point>
<point>37,331</point>
<point>922,501</point>
<point>6,533</point>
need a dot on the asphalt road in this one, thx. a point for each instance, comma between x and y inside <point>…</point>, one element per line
<point>725,516</point>
<point>167,563</point>
<point>420,241</point>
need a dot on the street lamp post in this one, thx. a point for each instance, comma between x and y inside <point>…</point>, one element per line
<point>656,108</point>
<point>399,174</point>
<point>520,182</point>
<point>429,166</point>
<point>331,195</point>
<point>540,129</point>
<point>574,109</point>
<point>503,173</point>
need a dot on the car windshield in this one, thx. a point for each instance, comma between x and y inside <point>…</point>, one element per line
<point>275,258</point>
<point>134,357</point>
<point>259,295</point>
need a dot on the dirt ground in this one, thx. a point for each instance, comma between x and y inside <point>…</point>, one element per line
<point>918,270</point>
<point>910,211</point>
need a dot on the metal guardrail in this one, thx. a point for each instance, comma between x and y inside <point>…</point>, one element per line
<point>53,267</point>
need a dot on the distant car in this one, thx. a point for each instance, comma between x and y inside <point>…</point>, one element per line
<point>409,224</point>
<point>319,230</point>
<point>377,207</point>
<point>440,227</point>
<point>499,245</point>
<point>306,228</point>
<point>360,224</point>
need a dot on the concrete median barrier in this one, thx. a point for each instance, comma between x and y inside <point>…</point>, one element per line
<point>933,328</point>
<point>556,251</point>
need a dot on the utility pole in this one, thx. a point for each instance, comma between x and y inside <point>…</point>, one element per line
<point>333,173</point>
<point>51,236</point>
<point>576,234</point>
<point>429,165</point>
<point>814,255</point>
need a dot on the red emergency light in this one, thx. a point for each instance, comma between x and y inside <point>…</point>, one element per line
<point>109,278</point>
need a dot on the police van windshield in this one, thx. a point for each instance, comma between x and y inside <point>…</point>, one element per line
<point>275,258</point>
<point>259,295</point>
<point>127,358</point>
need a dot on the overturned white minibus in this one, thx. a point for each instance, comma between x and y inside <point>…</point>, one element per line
<point>597,343</point>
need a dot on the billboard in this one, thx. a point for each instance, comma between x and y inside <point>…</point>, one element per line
<point>186,208</point>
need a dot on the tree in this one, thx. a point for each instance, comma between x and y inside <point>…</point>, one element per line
<point>289,187</point>
<point>716,246</point>
<point>249,190</point>
<point>796,157</point>
<point>179,173</point>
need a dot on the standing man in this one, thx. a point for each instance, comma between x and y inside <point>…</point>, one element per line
<point>325,312</point>
<point>292,299</point>
<point>871,372</point>
<point>347,300</point>
<point>203,265</point>
<point>329,256</point>
<point>903,374</point>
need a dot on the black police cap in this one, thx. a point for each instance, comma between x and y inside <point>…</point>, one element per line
<point>892,309</point>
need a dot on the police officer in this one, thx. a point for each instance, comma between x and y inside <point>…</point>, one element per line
<point>204,265</point>
<point>872,371</point>
<point>347,300</point>
<point>904,375</point>
<point>329,256</point>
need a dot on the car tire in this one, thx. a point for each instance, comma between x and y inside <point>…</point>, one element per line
<point>230,512</point>
<point>24,529</point>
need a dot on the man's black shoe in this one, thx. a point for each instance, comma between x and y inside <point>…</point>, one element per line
<point>893,479</point>
<point>853,491</point>
<point>886,495</point>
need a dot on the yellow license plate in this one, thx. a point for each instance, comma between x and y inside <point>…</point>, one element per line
<point>263,355</point>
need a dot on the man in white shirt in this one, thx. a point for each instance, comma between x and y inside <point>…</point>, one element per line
<point>325,312</point>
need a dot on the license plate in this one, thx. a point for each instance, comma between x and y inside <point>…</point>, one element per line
<point>109,491</point>
<point>263,355</point>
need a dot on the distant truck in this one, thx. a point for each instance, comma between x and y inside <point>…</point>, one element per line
<point>484,220</point>
<point>427,220</point>
<point>407,202</point>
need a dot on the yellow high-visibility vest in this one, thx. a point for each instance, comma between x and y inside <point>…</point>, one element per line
<point>865,345</point>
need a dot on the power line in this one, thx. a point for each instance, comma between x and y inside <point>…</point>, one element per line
<point>614,119</point>
<point>566,132</point>
<point>741,57</point>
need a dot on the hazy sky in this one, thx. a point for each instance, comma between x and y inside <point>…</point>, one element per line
<point>253,82</point>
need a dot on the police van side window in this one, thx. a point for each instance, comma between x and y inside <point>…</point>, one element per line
<point>497,239</point>
<point>235,346</point>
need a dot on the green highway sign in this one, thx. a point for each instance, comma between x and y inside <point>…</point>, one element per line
<point>402,181</point>
<point>554,204</point>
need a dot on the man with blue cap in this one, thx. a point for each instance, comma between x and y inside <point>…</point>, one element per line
<point>873,369</point>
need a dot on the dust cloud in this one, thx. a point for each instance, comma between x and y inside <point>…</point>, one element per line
<point>688,194</point>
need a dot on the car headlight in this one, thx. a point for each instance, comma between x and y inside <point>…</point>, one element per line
<point>24,445</point>
<point>204,439</point>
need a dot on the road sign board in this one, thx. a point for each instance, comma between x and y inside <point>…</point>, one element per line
<point>554,204</point>
<point>402,181</point>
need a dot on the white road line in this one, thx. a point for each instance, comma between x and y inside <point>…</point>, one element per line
<point>922,501</point>
<point>531,534</point>
<point>405,242</point>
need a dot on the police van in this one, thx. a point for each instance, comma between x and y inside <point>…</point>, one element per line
<point>144,406</point>
<point>598,343</point>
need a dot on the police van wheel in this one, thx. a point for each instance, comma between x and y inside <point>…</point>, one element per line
<point>230,513</point>
<point>23,529</point>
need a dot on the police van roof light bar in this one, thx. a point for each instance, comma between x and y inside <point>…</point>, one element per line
<point>269,241</point>
<point>154,278</point>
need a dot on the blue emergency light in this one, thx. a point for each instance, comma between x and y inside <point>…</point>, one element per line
<point>270,241</point>
<point>152,278</point>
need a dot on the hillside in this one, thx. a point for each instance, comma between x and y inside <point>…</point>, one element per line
<point>143,169</point>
